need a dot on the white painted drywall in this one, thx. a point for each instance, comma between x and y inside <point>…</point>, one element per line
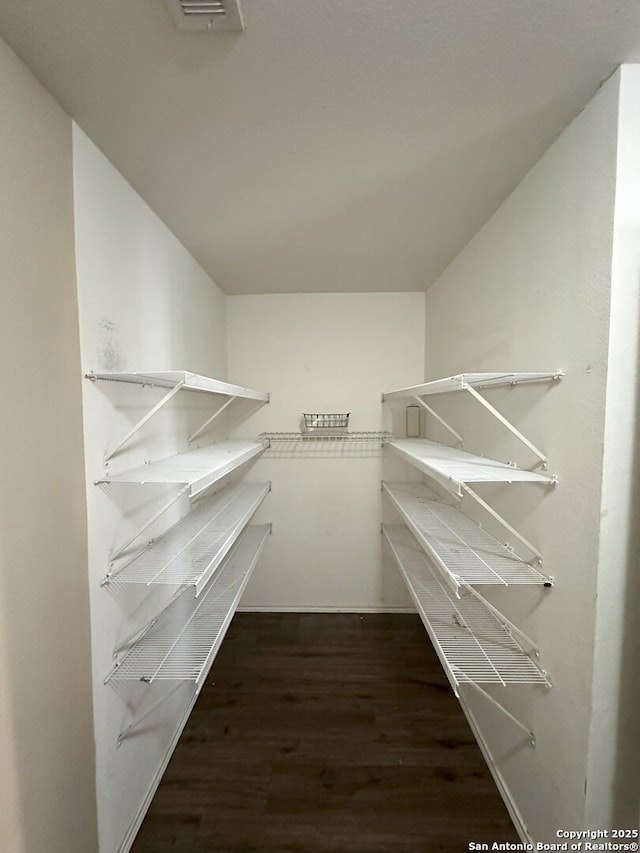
<point>530,293</point>
<point>613,789</point>
<point>144,304</point>
<point>47,784</point>
<point>324,353</point>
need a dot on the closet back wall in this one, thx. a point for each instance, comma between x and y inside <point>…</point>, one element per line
<point>324,353</point>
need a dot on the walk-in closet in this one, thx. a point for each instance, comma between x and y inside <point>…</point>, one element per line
<point>320,445</point>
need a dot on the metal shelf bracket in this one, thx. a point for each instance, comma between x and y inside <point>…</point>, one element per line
<point>114,556</point>
<point>136,635</point>
<point>130,729</point>
<point>440,420</point>
<point>530,735</point>
<point>506,423</point>
<point>210,420</point>
<point>522,639</point>
<point>476,497</point>
<point>137,427</point>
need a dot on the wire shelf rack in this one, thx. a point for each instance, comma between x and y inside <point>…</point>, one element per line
<point>462,381</point>
<point>196,469</point>
<point>301,437</point>
<point>464,552</point>
<point>183,642</point>
<point>187,380</point>
<point>191,551</point>
<point>472,643</point>
<point>452,467</point>
<point>470,382</point>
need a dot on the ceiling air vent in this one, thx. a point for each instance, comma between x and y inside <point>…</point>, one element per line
<point>212,16</point>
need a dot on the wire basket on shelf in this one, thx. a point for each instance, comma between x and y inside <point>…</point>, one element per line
<point>325,424</point>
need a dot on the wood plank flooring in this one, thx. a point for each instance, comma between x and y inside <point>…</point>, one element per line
<point>328,733</point>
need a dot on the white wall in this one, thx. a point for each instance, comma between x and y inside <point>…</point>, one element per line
<point>47,784</point>
<point>531,293</point>
<point>324,353</point>
<point>614,765</point>
<point>144,304</point>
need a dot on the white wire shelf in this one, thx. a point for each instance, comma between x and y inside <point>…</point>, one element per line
<point>452,467</point>
<point>188,381</point>
<point>183,642</point>
<point>196,469</point>
<point>176,381</point>
<point>465,553</point>
<point>462,381</point>
<point>474,646</point>
<point>191,551</point>
<point>297,437</point>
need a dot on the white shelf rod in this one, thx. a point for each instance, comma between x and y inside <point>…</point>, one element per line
<point>145,526</point>
<point>192,382</point>
<point>501,707</point>
<point>512,429</point>
<point>451,384</point>
<point>204,671</point>
<point>439,419</point>
<point>462,623</point>
<point>451,669</point>
<point>231,535</point>
<point>145,419</point>
<point>210,420</point>
<point>452,581</point>
<point>149,679</point>
<point>444,663</point>
<point>476,497</point>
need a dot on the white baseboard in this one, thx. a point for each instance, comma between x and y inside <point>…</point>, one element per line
<point>258,608</point>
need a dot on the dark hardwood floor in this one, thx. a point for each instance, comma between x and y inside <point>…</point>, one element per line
<point>325,734</point>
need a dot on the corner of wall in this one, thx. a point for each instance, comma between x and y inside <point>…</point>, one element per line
<point>613,779</point>
<point>46,731</point>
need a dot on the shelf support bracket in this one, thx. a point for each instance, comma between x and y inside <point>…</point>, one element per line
<point>145,526</point>
<point>522,638</point>
<point>512,429</point>
<point>217,412</point>
<point>136,635</point>
<point>440,420</point>
<point>500,707</point>
<point>133,726</point>
<point>144,420</point>
<point>476,497</point>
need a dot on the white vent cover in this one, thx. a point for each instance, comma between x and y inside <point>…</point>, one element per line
<point>209,15</point>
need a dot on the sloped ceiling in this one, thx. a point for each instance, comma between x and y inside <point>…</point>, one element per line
<point>335,145</point>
